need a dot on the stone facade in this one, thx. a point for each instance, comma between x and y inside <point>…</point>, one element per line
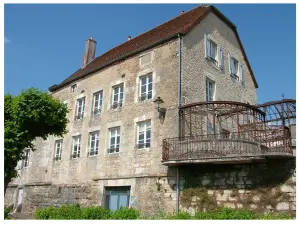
<point>46,182</point>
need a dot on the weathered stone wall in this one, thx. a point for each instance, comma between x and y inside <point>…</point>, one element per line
<point>196,68</point>
<point>268,186</point>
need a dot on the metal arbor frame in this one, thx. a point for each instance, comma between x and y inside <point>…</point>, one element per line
<point>227,131</point>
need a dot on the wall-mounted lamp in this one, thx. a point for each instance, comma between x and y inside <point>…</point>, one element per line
<point>161,111</point>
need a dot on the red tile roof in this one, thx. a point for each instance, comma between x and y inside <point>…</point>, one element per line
<point>181,24</point>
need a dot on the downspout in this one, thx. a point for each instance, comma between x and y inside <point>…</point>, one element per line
<point>178,118</point>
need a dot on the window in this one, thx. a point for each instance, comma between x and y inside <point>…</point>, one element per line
<point>76,146</point>
<point>117,98</point>
<point>117,197</point>
<point>210,90</point>
<point>93,143</point>
<point>58,150</point>
<point>26,159</point>
<point>97,103</point>
<point>145,87</point>
<point>210,130</point>
<point>211,50</point>
<point>80,108</point>
<point>145,59</point>
<point>73,88</point>
<point>144,134</point>
<point>114,140</point>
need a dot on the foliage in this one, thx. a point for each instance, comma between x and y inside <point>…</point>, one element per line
<point>274,216</point>
<point>30,115</point>
<point>181,216</point>
<point>6,213</point>
<point>125,214</point>
<point>95,213</point>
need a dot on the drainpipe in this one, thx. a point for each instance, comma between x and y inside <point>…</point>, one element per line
<point>178,118</point>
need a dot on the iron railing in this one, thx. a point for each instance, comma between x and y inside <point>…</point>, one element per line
<point>239,144</point>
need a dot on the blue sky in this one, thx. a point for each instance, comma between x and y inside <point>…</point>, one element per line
<point>44,43</point>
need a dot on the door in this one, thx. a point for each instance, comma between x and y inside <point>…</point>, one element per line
<point>19,201</point>
<point>117,197</point>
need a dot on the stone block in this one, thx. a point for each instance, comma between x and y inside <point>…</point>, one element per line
<point>293,205</point>
<point>195,198</point>
<point>287,188</point>
<point>253,206</point>
<point>229,205</point>
<point>256,198</point>
<point>210,192</point>
<point>220,197</point>
<point>240,206</point>
<point>283,206</point>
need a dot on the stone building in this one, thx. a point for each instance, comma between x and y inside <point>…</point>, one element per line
<point>148,110</point>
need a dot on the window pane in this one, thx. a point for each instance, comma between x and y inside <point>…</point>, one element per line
<point>150,87</point>
<point>148,134</point>
<point>143,89</point>
<point>113,204</point>
<point>144,80</point>
<point>118,140</point>
<point>123,201</point>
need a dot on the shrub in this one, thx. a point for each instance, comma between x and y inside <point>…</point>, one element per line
<point>233,214</point>
<point>125,214</point>
<point>64,212</point>
<point>6,213</point>
<point>181,216</point>
<point>274,216</point>
<point>95,213</point>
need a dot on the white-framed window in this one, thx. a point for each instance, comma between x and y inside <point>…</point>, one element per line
<point>26,158</point>
<point>145,87</point>
<point>80,108</point>
<point>143,134</point>
<point>114,140</point>
<point>236,69</point>
<point>58,150</point>
<point>117,98</point>
<point>145,59</point>
<point>211,50</point>
<point>73,88</point>
<point>93,143</point>
<point>97,102</point>
<point>210,90</point>
<point>76,146</point>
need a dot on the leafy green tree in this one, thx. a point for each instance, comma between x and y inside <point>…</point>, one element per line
<point>30,115</point>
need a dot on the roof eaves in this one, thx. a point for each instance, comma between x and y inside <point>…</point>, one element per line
<point>57,87</point>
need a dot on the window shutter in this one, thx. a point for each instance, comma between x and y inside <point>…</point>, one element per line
<point>230,64</point>
<point>206,46</point>
<point>241,73</point>
<point>221,63</point>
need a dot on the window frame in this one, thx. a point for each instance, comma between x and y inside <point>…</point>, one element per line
<point>206,90</point>
<point>95,151</point>
<point>120,94</point>
<point>57,155</point>
<point>147,95</point>
<point>79,116</point>
<point>76,139</point>
<point>26,159</point>
<point>147,126</point>
<point>97,110</point>
<point>117,136</point>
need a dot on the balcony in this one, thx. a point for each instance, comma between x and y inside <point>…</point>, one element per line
<point>248,136</point>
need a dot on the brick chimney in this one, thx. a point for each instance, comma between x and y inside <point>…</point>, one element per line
<point>129,38</point>
<point>181,12</point>
<point>89,52</point>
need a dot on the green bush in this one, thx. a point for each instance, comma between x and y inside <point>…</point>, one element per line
<point>181,216</point>
<point>95,213</point>
<point>64,212</point>
<point>233,214</point>
<point>274,216</point>
<point>6,213</point>
<point>125,214</point>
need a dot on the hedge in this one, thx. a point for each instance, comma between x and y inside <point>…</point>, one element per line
<point>73,212</point>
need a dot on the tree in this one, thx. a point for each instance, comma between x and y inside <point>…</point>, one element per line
<point>30,115</point>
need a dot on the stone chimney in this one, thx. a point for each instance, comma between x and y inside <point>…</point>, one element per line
<point>129,38</point>
<point>89,52</point>
<point>181,12</point>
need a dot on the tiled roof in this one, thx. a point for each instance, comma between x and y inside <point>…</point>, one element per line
<point>181,24</point>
